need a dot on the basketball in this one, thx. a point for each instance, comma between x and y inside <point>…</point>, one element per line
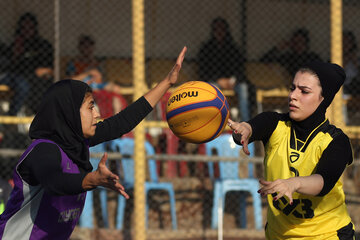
<point>197,112</point>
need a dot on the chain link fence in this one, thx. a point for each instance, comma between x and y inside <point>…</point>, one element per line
<point>250,49</point>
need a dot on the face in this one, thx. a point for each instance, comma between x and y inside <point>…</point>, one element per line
<point>28,29</point>
<point>89,116</point>
<point>305,96</point>
<point>219,31</point>
<point>299,44</point>
<point>86,49</point>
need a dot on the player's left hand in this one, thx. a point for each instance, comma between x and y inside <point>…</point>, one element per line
<point>174,73</point>
<point>280,186</point>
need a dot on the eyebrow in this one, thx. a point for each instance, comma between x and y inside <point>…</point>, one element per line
<point>302,87</point>
<point>305,87</point>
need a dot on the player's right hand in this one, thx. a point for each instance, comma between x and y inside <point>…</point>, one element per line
<point>242,133</point>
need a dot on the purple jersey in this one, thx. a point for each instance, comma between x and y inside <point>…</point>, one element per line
<point>33,213</point>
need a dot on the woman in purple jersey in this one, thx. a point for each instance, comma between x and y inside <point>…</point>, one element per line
<point>54,173</point>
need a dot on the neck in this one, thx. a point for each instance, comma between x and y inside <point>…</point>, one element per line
<point>304,127</point>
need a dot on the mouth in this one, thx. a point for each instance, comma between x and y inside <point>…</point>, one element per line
<point>292,107</point>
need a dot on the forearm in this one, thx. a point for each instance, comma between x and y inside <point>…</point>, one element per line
<point>309,185</point>
<point>121,123</point>
<point>155,94</point>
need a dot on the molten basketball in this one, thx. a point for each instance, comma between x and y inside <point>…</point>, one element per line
<point>197,112</point>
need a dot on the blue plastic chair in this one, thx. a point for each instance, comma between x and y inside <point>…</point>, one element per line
<point>126,147</point>
<point>86,218</point>
<point>229,180</point>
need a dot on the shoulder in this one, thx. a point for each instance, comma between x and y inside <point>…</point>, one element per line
<point>334,132</point>
<point>45,149</point>
<point>275,116</point>
<point>43,154</point>
<point>340,144</point>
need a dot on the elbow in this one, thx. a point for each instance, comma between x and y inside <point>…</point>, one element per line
<point>324,187</point>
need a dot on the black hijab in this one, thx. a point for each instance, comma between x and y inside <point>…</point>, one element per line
<point>58,119</point>
<point>331,77</point>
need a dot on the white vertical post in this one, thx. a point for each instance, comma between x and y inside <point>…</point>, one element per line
<point>220,220</point>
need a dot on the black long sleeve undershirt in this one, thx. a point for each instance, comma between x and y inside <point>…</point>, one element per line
<point>42,165</point>
<point>332,162</point>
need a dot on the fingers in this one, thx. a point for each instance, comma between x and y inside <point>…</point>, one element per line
<point>174,73</point>
<point>179,60</point>
<point>117,187</point>
<point>231,123</point>
<point>181,56</point>
<point>122,192</point>
<point>278,187</point>
<point>244,143</point>
<point>104,158</point>
<point>264,182</point>
<point>243,132</point>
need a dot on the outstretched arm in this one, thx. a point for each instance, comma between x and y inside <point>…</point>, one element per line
<point>155,94</point>
<point>131,116</point>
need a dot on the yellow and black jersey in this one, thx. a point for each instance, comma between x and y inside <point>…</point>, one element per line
<point>326,150</point>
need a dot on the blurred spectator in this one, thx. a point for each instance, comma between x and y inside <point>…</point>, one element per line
<point>292,53</point>
<point>30,69</point>
<point>4,61</point>
<point>86,67</point>
<point>220,60</point>
<point>351,63</point>
<point>221,63</point>
<point>5,190</point>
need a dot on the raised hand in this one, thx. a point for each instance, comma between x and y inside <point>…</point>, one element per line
<point>155,94</point>
<point>174,73</point>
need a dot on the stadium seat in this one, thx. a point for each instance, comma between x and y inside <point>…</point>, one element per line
<point>229,180</point>
<point>126,147</point>
<point>86,218</point>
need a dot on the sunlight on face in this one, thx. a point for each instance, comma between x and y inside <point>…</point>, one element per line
<point>305,96</point>
<point>89,116</point>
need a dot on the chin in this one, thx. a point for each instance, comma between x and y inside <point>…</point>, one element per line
<point>294,117</point>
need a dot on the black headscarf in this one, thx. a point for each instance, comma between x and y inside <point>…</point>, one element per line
<point>331,77</point>
<point>58,119</point>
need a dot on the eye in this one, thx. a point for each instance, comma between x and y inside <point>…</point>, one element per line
<point>304,92</point>
<point>292,88</point>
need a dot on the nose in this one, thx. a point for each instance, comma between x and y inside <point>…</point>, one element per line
<point>293,94</point>
<point>96,113</point>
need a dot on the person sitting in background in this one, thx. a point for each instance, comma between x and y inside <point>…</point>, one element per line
<point>292,53</point>
<point>30,69</point>
<point>86,67</point>
<point>221,63</point>
<point>351,64</point>
<point>220,59</point>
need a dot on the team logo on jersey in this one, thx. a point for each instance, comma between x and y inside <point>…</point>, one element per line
<point>294,156</point>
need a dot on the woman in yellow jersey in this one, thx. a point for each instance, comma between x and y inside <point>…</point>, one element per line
<point>304,158</point>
